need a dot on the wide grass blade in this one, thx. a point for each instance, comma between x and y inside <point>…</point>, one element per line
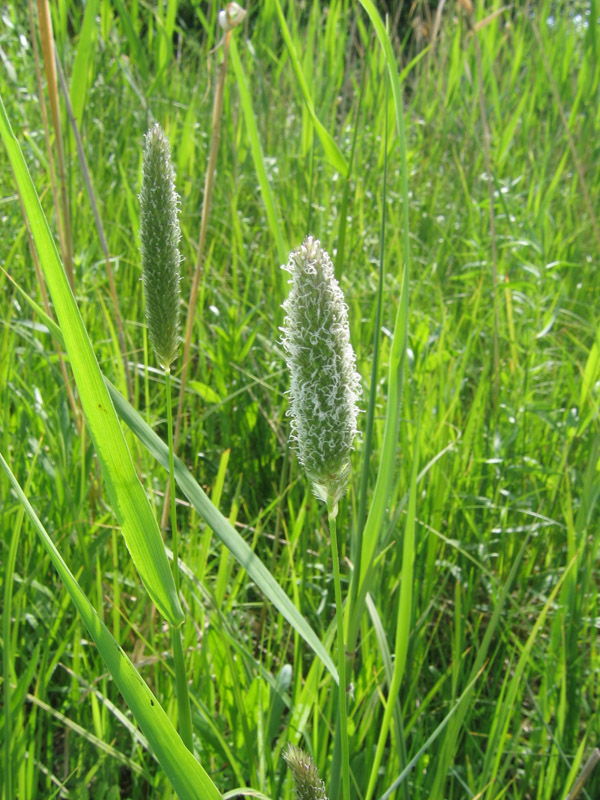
<point>186,775</point>
<point>85,54</point>
<point>129,501</point>
<point>222,529</point>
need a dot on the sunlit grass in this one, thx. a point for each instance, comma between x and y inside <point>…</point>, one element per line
<point>506,494</point>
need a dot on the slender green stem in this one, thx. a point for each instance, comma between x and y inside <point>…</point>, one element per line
<point>181,688</point>
<point>339,614</point>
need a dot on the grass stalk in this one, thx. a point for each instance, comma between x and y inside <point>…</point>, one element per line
<point>181,685</point>
<point>341,654</point>
<point>76,411</point>
<point>368,445</point>
<point>195,288</point>
<point>64,217</point>
<point>403,621</point>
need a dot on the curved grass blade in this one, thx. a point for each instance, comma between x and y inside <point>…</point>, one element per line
<point>332,151</point>
<point>186,775</point>
<point>128,499</point>
<point>222,528</point>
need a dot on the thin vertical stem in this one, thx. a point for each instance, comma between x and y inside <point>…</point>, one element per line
<point>64,229</point>
<point>181,687</point>
<point>194,291</point>
<point>487,138</point>
<point>341,665</point>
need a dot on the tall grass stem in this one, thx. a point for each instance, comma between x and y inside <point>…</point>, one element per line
<point>339,613</point>
<point>64,217</point>
<point>181,687</point>
<point>195,288</point>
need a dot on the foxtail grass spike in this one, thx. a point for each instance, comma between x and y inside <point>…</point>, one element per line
<point>159,235</point>
<point>324,384</point>
<point>307,783</point>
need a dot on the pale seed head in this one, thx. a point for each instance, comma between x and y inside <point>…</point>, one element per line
<point>324,384</point>
<point>159,235</point>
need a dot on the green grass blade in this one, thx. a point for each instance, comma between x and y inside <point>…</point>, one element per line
<point>257,155</point>
<point>332,151</point>
<point>504,712</point>
<point>138,52</point>
<point>422,750</point>
<point>223,529</point>
<point>403,620</point>
<point>130,504</point>
<point>385,473</point>
<point>81,65</point>
<point>7,655</point>
<point>186,775</point>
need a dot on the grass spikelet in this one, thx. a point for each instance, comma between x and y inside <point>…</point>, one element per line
<point>324,384</point>
<point>307,783</point>
<point>159,235</point>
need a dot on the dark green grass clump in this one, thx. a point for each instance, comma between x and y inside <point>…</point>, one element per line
<point>160,235</point>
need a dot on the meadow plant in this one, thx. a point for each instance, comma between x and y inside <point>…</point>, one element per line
<point>159,236</point>
<point>324,388</point>
<point>307,784</point>
<point>324,384</point>
<point>469,626</point>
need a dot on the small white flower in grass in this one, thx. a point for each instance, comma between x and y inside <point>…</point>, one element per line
<point>324,384</point>
<point>231,16</point>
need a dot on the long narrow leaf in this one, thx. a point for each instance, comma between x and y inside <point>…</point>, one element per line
<point>332,151</point>
<point>186,775</point>
<point>403,620</point>
<point>222,529</point>
<point>130,504</point>
<point>385,473</point>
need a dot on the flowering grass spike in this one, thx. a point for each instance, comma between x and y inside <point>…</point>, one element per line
<point>307,783</point>
<point>324,384</point>
<point>159,235</point>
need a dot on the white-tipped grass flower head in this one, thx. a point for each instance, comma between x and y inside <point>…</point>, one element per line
<point>324,384</point>
<point>307,784</point>
<point>231,16</point>
<point>159,236</point>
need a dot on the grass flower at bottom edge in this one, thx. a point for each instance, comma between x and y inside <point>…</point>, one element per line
<point>307,783</point>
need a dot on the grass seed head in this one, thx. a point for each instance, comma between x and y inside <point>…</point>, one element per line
<point>307,783</point>
<point>159,235</point>
<point>324,384</point>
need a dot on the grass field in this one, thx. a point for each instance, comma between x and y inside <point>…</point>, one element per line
<point>450,166</point>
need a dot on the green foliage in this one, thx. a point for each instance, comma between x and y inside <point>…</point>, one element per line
<point>477,647</point>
